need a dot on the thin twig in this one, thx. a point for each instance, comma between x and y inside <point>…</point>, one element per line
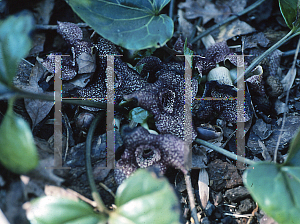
<point>68,136</point>
<point>231,18</point>
<point>228,139</point>
<point>27,62</point>
<point>191,197</point>
<point>107,189</point>
<point>199,21</point>
<point>286,103</point>
<point>288,53</point>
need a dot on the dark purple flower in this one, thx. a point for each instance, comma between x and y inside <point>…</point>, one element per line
<point>143,150</point>
<point>226,109</point>
<point>165,99</point>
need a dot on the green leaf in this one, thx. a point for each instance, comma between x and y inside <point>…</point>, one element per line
<point>49,210</point>
<point>139,115</point>
<point>131,24</point>
<point>145,198</point>
<point>276,188</point>
<point>294,152</point>
<point>288,10</point>
<point>15,44</point>
<point>18,152</point>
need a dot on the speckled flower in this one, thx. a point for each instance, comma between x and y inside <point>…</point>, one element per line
<point>226,109</point>
<point>82,61</point>
<point>143,150</point>
<point>165,99</point>
<point>150,65</point>
<point>127,80</point>
<point>271,63</point>
<point>256,85</point>
<point>214,54</point>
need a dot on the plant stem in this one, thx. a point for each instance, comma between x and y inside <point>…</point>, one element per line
<point>100,205</point>
<point>225,152</point>
<point>171,9</point>
<point>19,93</point>
<point>286,38</point>
<point>191,197</point>
<point>231,18</point>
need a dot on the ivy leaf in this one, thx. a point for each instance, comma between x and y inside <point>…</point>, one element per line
<point>289,10</point>
<point>145,198</point>
<point>131,24</point>
<point>49,210</point>
<point>15,44</point>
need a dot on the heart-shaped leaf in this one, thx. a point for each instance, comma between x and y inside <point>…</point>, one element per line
<point>145,198</point>
<point>49,210</point>
<point>289,10</point>
<point>131,24</point>
<point>15,44</point>
<point>276,188</point>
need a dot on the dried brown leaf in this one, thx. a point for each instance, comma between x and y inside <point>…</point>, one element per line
<point>203,181</point>
<point>288,80</point>
<point>37,109</point>
<point>232,29</point>
<point>184,26</point>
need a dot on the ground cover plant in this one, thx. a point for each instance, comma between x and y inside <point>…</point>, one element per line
<point>149,118</point>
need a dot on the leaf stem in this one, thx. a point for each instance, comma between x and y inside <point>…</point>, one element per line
<point>171,9</point>
<point>19,93</point>
<point>191,197</point>
<point>231,18</point>
<point>224,152</point>
<point>286,38</point>
<point>100,205</point>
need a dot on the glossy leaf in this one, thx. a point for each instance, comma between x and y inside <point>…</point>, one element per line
<point>276,188</point>
<point>18,152</point>
<point>131,24</point>
<point>294,152</point>
<point>288,10</point>
<point>15,44</point>
<point>145,198</point>
<point>49,210</point>
<point>139,115</point>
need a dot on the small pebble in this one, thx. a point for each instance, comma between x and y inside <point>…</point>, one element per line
<point>246,206</point>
